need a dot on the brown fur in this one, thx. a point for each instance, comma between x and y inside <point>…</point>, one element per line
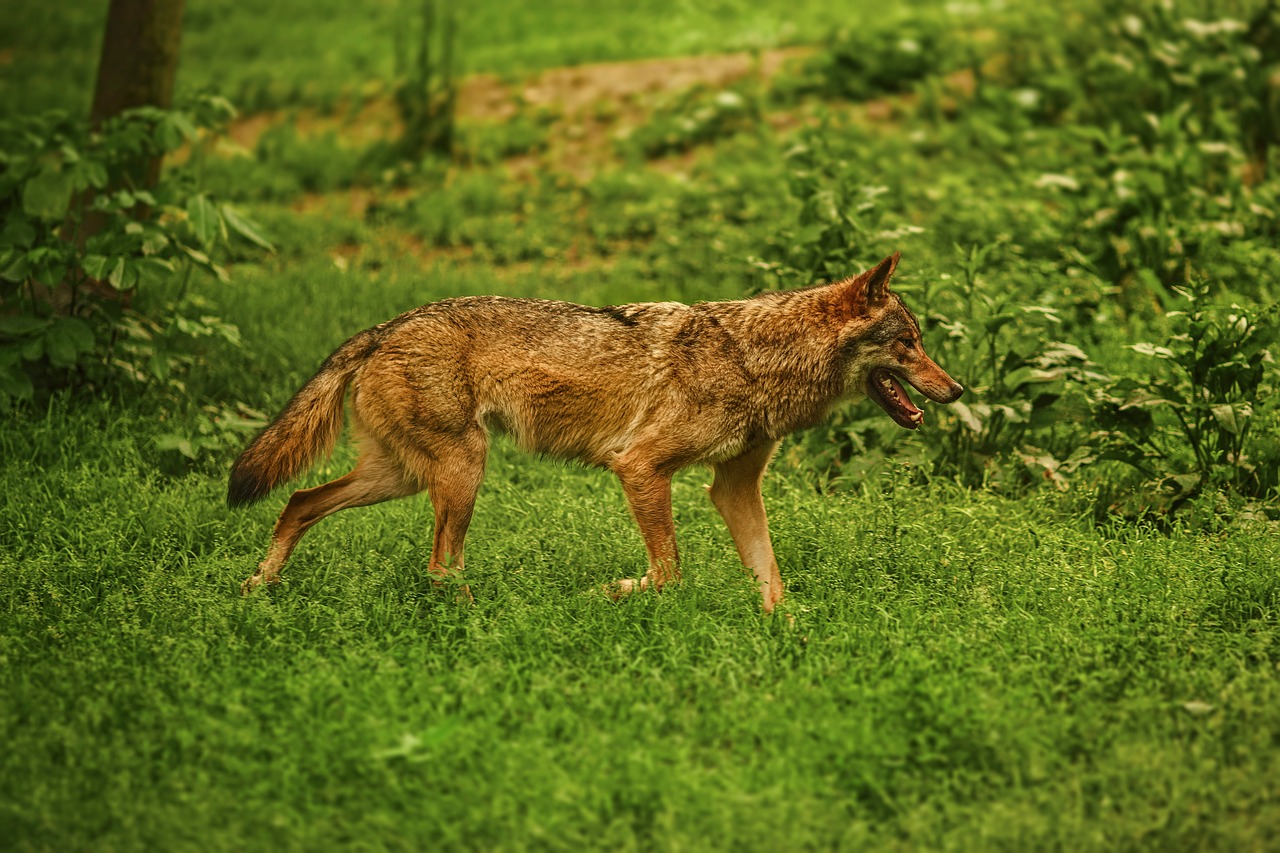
<point>643,390</point>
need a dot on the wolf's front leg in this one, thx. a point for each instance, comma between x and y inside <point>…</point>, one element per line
<point>736,494</point>
<point>648,494</point>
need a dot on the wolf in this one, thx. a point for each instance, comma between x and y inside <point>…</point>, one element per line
<point>643,390</point>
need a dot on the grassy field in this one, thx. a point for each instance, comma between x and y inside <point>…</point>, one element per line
<point>962,671</point>
<point>1000,633</point>
<point>318,51</point>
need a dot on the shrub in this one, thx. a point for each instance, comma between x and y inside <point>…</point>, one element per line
<point>68,313</point>
<point>1185,418</point>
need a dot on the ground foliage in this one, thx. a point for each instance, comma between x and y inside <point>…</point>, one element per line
<point>1048,619</point>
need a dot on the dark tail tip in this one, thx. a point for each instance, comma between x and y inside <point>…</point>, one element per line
<point>243,488</point>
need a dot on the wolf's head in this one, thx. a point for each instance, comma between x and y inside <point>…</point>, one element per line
<point>881,341</point>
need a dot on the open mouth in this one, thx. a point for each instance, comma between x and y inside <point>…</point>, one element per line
<point>885,389</point>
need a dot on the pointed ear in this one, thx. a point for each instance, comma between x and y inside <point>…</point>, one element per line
<point>871,288</point>
<point>878,279</point>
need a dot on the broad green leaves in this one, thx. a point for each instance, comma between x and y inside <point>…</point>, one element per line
<point>65,288</point>
<point>47,195</point>
<point>205,220</point>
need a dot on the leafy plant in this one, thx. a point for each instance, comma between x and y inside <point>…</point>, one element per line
<point>490,142</point>
<point>695,117</point>
<point>1177,106</point>
<point>213,428</point>
<point>68,314</point>
<point>285,163</point>
<point>1190,425</point>
<point>842,219</point>
<point>426,91</point>
<point>1019,374</point>
<point>1157,208</point>
<point>884,55</point>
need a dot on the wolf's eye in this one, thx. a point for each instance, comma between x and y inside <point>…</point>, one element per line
<point>907,342</point>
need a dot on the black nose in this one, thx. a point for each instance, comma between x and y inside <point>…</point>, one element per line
<point>956,390</point>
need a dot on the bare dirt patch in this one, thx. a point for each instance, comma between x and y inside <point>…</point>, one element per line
<point>589,105</point>
<point>588,101</point>
<point>582,87</point>
<point>586,109</point>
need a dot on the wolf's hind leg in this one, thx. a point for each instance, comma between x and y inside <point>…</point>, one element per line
<point>648,493</point>
<point>377,477</point>
<point>736,494</point>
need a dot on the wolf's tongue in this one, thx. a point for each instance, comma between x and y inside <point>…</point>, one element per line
<point>903,399</point>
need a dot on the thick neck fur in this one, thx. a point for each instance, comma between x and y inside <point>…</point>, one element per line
<point>791,352</point>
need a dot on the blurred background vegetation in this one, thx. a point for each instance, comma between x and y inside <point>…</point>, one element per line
<point>1085,199</point>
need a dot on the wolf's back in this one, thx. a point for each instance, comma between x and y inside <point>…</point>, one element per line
<point>305,430</point>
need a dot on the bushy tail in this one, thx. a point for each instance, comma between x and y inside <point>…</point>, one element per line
<point>307,429</point>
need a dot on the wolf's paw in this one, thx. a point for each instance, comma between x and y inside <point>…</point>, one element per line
<point>451,583</point>
<point>622,588</point>
<point>256,580</point>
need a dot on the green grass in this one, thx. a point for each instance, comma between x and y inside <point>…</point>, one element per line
<point>962,670</point>
<point>951,668</point>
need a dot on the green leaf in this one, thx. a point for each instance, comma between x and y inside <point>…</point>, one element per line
<point>1152,350</point>
<point>967,416</point>
<point>16,384</point>
<point>173,129</point>
<point>48,195</point>
<point>154,240</point>
<point>1232,417</point>
<point>66,340</point>
<point>51,267</point>
<point>60,350</point>
<point>121,272</point>
<point>167,136</point>
<point>20,326</point>
<point>1144,397</point>
<point>77,331</point>
<point>996,322</point>
<point>205,262</point>
<point>18,268</point>
<point>18,231</point>
<point>117,274</point>
<point>154,271</point>
<point>174,441</point>
<point>204,218</point>
<point>1184,484</point>
<point>160,364</point>
<point>91,172</point>
<point>245,227</point>
<point>97,267</point>
<point>198,256</point>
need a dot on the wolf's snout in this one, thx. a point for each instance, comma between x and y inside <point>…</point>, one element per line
<point>935,384</point>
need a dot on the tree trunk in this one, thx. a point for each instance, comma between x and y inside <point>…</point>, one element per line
<point>138,65</point>
<point>137,68</point>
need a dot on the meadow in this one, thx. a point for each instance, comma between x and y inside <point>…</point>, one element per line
<point>1047,620</point>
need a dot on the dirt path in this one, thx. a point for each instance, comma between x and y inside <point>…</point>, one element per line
<point>581,87</point>
<point>583,98</point>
